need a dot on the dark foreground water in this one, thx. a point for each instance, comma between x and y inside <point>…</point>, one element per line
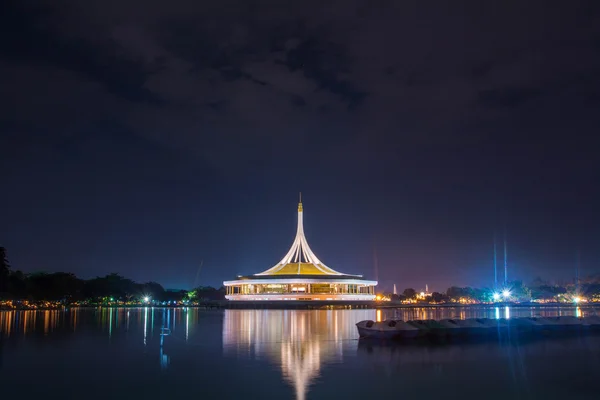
<point>275,354</point>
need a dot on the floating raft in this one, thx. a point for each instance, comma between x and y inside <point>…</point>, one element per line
<point>475,327</point>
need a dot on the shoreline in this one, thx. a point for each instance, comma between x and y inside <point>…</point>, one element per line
<point>307,305</point>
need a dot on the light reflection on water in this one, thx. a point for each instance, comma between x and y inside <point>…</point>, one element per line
<point>107,319</point>
<point>481,312</point>
<point>298,341</point>
<point>301,342</point>
<point>276,354</point>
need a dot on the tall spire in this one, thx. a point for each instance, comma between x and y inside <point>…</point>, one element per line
<point>300,259</point>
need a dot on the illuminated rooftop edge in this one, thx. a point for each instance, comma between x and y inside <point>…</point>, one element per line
<point>340,280</point>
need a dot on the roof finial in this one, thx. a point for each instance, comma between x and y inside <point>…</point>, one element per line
<point>300,203</point>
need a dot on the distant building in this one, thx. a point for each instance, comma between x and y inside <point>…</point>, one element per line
<point>300,275</point>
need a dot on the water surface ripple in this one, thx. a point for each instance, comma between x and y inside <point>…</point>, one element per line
<point>155,353</point>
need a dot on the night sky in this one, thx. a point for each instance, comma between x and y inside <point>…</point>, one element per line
<point>144,137</point>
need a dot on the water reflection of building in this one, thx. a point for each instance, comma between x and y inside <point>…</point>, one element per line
<point>301,342</point>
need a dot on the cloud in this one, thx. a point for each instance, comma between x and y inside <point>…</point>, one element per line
<point>240,84</point>
<point>507,97</point>
<point>411,116</point>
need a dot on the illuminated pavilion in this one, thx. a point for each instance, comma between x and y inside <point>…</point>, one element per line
<point>300,275</point>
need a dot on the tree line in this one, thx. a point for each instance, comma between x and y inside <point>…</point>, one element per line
<point>66,287</point>
<point>588,288</point>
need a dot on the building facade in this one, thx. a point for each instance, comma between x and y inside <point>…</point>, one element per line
<point>300,275</point>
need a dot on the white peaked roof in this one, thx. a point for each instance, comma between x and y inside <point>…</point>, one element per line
<point>300,259</point>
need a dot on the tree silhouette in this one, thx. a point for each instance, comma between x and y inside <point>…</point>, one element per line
<point>455,292</point>
<point>112,285</point>
<point>204,293</point>
<point>4,271</point>
<point>58,286</point>
<point>438,297</point>
<point>154,290</point>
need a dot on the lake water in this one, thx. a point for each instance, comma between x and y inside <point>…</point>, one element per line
<point>278,354</point>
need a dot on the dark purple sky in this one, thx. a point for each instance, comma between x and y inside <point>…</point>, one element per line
<point>142,137</point>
